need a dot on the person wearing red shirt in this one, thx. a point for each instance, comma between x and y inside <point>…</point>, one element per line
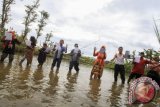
<point>138,67</point>
<point>99,63</point>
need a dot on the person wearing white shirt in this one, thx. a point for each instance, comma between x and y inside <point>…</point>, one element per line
<point>59,50</point>
<point>119,65</point>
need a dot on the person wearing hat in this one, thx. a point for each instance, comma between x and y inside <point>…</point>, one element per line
<point>75,56</point>
<point>119,65</point>
<point>98,66</point>
<point>42,55</point>
<point>138,67</point>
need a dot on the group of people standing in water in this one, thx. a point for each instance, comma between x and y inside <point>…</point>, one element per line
<point>75,54</point>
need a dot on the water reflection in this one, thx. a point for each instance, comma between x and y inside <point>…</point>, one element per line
<point>23,77</point>
<point>115,97</point>
<point>70,86</point>
<point>94,92</point>
<point>4,70</point>
<point>38,75</point>
<point>72,80</point>
<point>53,84</point>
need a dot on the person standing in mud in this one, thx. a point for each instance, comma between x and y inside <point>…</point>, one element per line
<point>98,66</point>
<point>119,65</point>
<point>9,43</point>
<point>29,51</point>
<point>42,55</point>
<point>75,55</point>
<point>138,67</point>
<point>59,50</point>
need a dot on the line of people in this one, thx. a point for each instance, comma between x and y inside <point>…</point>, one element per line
<point>98,65</point>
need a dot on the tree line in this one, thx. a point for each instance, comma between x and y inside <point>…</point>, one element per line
<point>31,16</point>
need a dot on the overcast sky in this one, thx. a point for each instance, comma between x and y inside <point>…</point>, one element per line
<point>127,23</point>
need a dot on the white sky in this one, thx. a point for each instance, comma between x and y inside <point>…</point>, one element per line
<point>114,23</point>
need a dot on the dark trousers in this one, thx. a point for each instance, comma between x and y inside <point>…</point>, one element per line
<point>56,61</point>
<point>154,75</point>
<point>119,69</point>
<point>74,64</point>
<point>4,56</point>
<point>134,75</point>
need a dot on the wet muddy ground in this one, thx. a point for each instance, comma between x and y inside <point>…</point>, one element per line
<point>22,86</point>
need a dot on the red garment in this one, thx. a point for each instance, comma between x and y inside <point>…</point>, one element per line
<point>100,58</point>
<point>149,96</point>
<point>139,67</point>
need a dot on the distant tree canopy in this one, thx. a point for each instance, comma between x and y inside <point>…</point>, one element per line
<point>42,22</point>
<point>31,16</point>
<point>48,37</point>
<point>6,7</point>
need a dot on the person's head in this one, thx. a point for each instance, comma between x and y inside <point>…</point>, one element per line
<point>61,42</point>
<point>44,45</point>
<point>142,54</point>
<point>76,45</point>
<point>103,49</point>
<point>120,49</point>
<point>33,40</point>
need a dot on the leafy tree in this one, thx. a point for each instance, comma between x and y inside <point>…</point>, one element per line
<point>31,16</point>
<point>6,6</point>
<point>42,22</point>
<point>48,37</point>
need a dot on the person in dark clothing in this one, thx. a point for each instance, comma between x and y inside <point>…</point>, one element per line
<point>59,50</point>
<point>9,47</point>
<point>42,55</point>
<point>75,55</point>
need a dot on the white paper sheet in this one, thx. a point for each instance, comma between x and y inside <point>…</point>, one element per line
<point>48,49</point>
<point>8,36</point>
<point>28,43</point>
<point>137,59</point>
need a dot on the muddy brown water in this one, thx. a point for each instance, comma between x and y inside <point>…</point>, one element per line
<point>22,86</point>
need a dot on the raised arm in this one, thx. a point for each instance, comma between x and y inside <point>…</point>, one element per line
<point>94,52</point>
<point>105,56</point>
<point>66,48</point>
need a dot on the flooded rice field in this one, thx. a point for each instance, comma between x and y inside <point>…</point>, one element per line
<point>22,86</point>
